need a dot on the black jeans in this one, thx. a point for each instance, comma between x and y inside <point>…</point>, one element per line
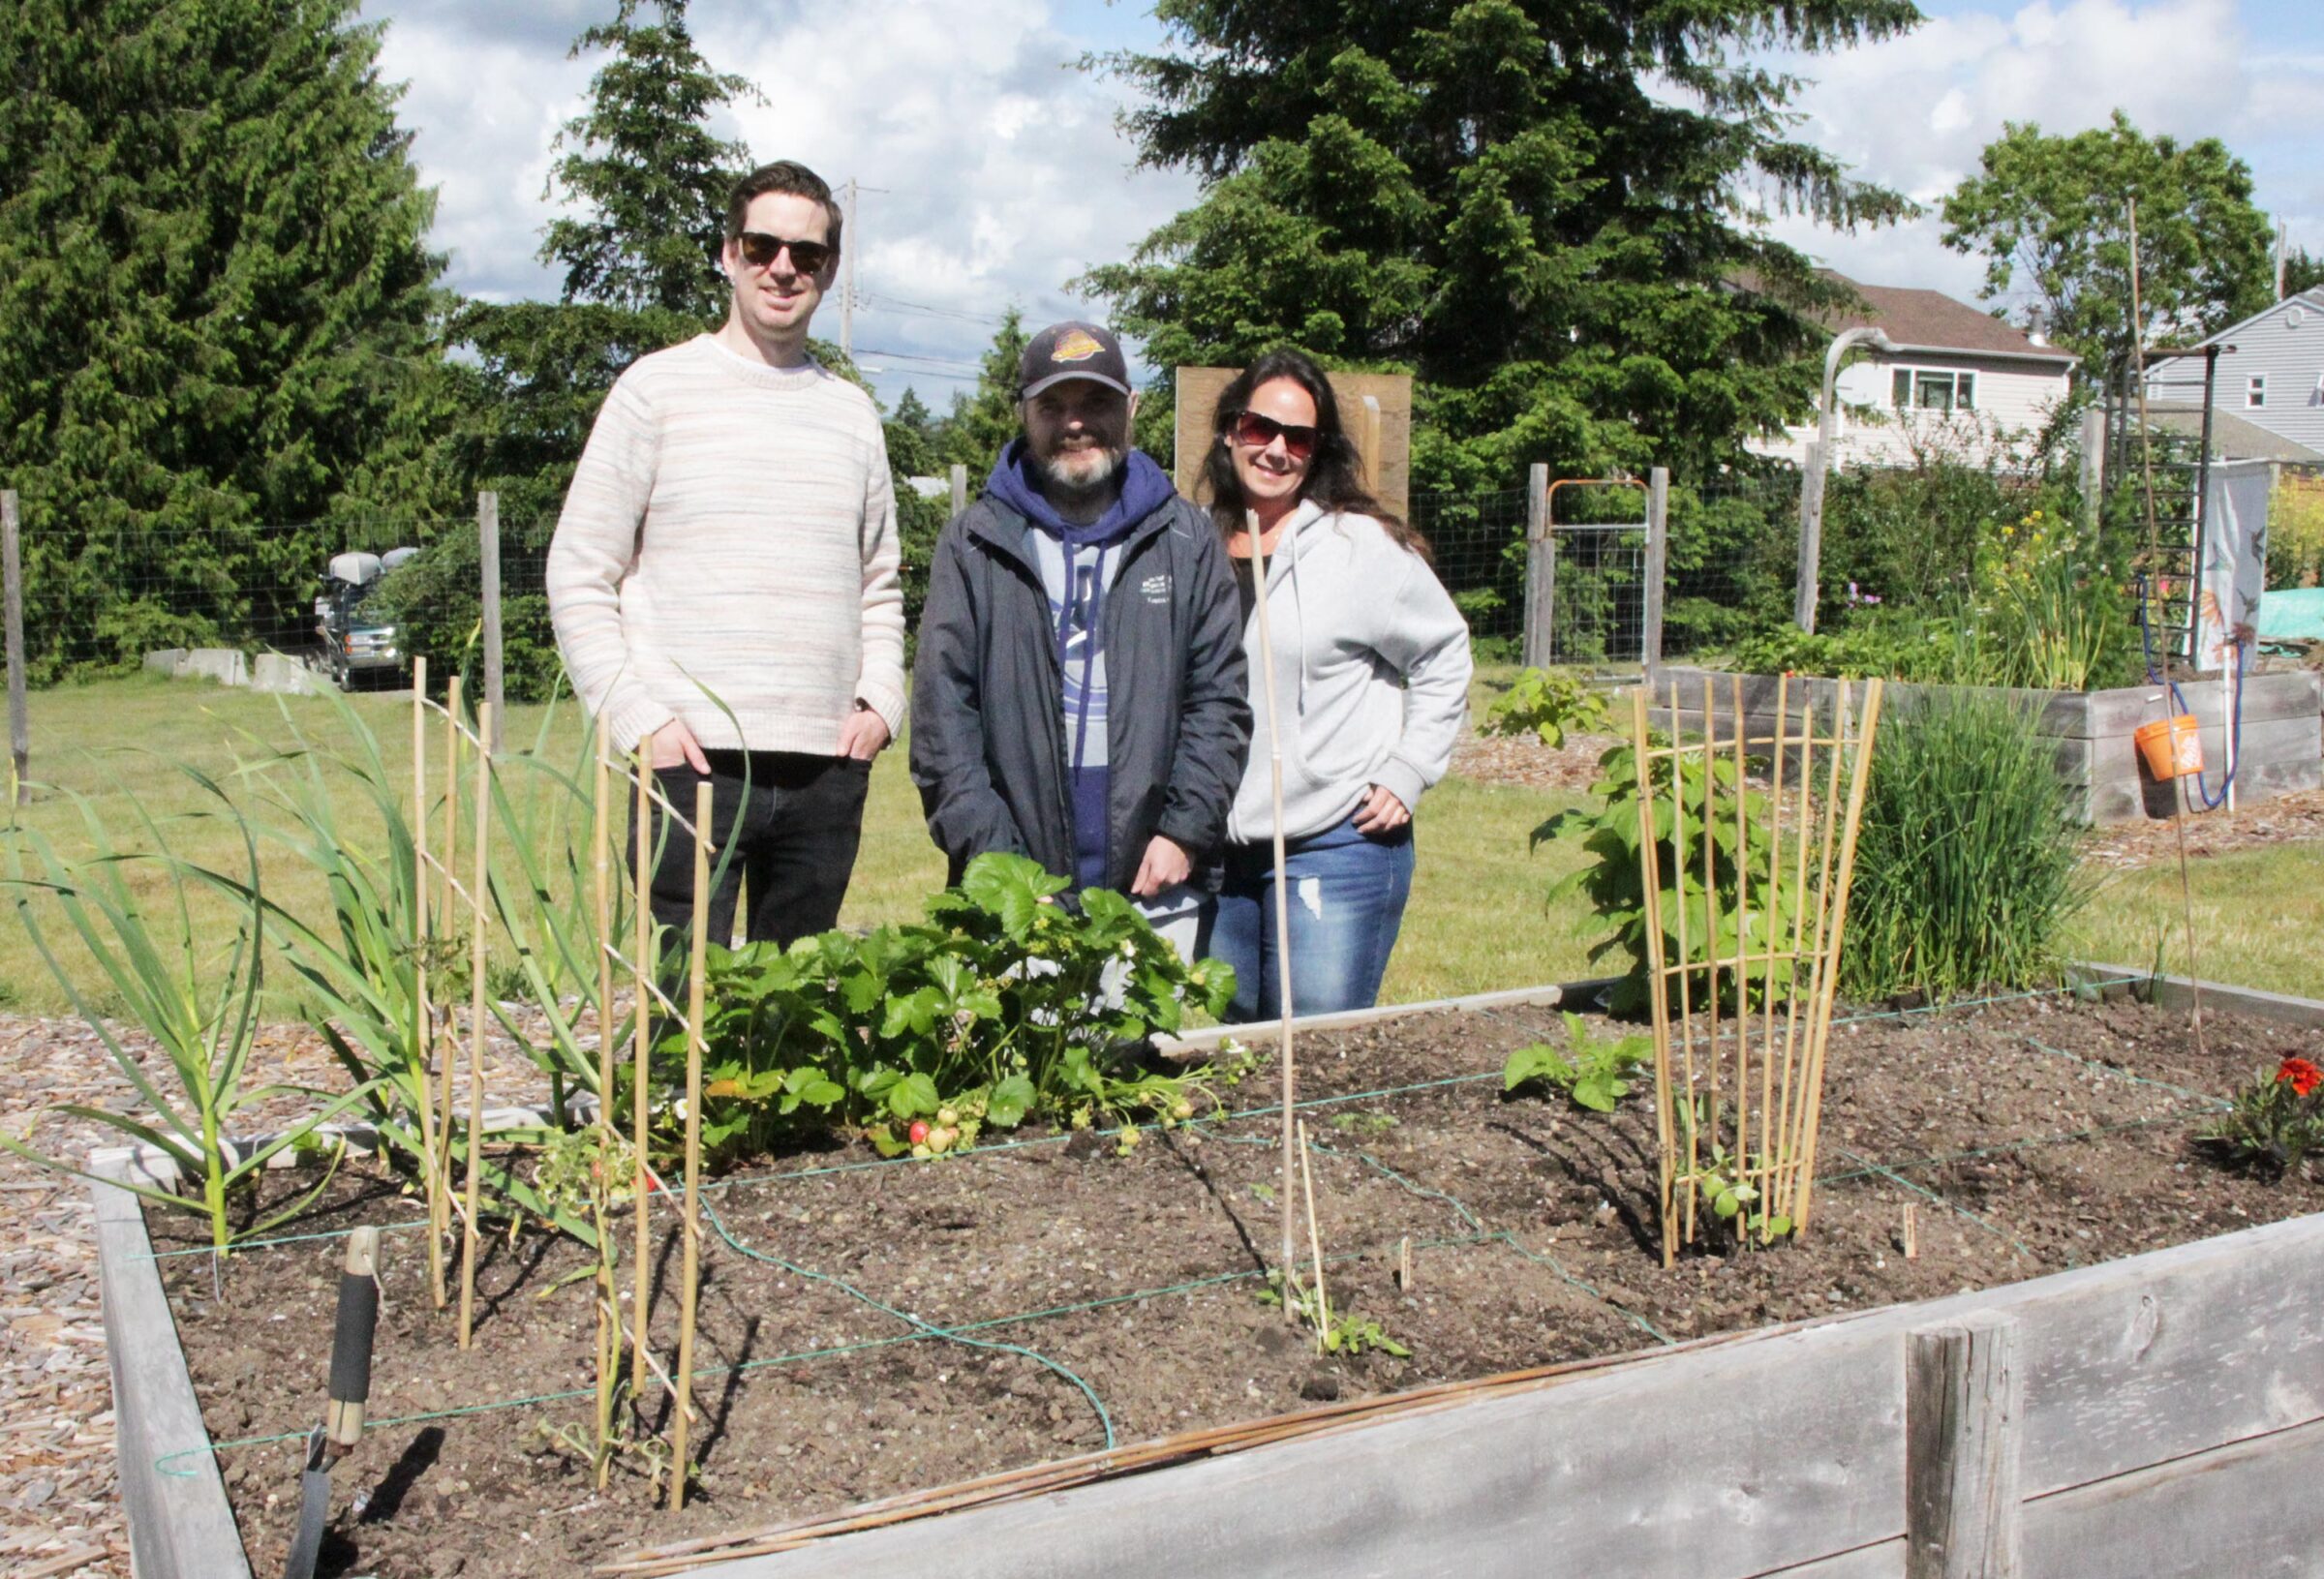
<point>793,835</point>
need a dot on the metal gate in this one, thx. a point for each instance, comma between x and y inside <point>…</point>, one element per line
<point>1592,586</point>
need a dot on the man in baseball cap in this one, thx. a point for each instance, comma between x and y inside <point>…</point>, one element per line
<point>1080,691</point>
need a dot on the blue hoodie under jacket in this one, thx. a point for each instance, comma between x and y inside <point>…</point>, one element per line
<point>1078,689</point>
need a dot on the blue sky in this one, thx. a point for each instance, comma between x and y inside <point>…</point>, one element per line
<point>998,175</point>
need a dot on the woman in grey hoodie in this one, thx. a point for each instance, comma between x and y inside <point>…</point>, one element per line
<point>1370,684</point>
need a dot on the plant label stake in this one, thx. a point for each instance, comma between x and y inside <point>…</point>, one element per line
<point>342,1425</point>
<point>1274,763</point>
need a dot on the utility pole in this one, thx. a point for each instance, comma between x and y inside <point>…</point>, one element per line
<point>849,242</point>
<point>2283,242</point>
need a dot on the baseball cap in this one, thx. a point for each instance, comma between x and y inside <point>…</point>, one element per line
<point>1072,350</point>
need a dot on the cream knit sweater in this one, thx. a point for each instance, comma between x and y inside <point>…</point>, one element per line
<point>729,547</point>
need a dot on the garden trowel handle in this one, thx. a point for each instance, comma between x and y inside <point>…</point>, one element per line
<point>350,1341</point>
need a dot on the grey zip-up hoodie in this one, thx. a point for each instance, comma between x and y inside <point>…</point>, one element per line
<point>1371,678</point>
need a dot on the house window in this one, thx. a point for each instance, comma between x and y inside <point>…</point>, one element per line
<point>2256,392</point>
<point>1924,389</point>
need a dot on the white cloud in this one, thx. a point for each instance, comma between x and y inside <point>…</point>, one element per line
<point>991,169</point>
<point>1913,113</point>
<point>999,173</point>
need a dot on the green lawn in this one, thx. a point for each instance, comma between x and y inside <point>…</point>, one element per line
<point>1478,919</point>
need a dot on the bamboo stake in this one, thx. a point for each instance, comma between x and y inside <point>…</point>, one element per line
<point>1799,923</point>
<point>1768,1155</point>
<point>2146,440</point>
<point>1650,865</point>
<point>1685,1011</point>
<point>1710,901</point>
<point>476,1026</point>
<point>609,1326</point>
<point>690,1278</point>
<point>640,964</point>
<point>443,1194</point>
<point>1865,734</point>
<point>1315,1245</point>
<point>1742,971</point>
<point>1811,1057</point>
<point>1275,757</point>
<point>423,1012</point>
<point>661,1374</point>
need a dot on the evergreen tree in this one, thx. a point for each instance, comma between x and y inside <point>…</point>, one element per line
<point>217,289</point>
<point>2058,208</point>
<point>640,258</point>
<point>1550,213</point>
<point>980,425</point>
<point>2302,270</point>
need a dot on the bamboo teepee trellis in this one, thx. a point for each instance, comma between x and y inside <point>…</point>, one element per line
<point>442,901</point>
<point>1780,863</point>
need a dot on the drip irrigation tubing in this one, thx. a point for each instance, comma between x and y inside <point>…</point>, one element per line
<point>925,1331</point>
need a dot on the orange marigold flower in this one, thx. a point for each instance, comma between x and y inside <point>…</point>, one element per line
<point>2299,1075</point>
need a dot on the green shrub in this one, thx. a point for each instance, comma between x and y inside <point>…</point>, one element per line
<point>1548,702</point>
<point>1966,861</point>
<point>1755,912</point>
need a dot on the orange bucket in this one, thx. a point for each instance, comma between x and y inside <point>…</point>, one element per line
<point>2173,747</point>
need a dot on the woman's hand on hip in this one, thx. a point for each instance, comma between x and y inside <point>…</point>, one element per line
<point>1381,811</point>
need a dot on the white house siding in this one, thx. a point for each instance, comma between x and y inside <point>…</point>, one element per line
<point>2286,344</point>
<point>2014,400</point>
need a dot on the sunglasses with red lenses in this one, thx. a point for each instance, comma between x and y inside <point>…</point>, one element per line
<point>759,249</point>
<point>1258,432</point>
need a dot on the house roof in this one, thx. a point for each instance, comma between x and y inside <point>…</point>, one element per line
<point>1930,321</point>
<point>2312,299</point>
<point>2232,439</point>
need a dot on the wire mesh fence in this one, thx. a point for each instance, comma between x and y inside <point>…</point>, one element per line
<point>355,599</point>
<point>1478,541</point>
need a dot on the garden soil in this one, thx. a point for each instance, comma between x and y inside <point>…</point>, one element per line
<point>2001,1141</point>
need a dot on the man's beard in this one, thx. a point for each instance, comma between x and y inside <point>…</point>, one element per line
<point>1088,484</point>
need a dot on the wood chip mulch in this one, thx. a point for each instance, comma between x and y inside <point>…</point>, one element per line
<point>2249,827</point>
<point>60,1509</point>
<point>1573,767</point>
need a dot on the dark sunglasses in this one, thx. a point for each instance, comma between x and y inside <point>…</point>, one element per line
<point>758,250</point>
<point>1258,432</point>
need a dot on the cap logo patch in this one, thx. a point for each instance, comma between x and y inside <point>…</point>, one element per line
<point>1076,346</point>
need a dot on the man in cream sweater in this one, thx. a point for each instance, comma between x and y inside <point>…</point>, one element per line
<point>723,578</point>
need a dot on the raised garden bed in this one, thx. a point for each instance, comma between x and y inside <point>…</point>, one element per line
<point>2281,743</point>
<point>2003,1141</point>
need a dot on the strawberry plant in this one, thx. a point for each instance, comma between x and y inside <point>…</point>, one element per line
<point>1004,1005</point>
<point>1594,1072</point>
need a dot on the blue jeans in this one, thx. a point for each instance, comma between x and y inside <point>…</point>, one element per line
<point>1347,901</point>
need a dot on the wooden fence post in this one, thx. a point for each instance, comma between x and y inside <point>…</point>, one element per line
<point>1964,1436</point>
<point>1658,569</point>
<point>1541,567</point>
<point>959,488</point>
<point>488,564</point>
<point>1811,538</point>
<point>19,727</point>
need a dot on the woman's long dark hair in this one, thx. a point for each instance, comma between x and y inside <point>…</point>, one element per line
<point>1335,474</point>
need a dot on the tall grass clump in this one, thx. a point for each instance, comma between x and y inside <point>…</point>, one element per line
<point>1967,860</point>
